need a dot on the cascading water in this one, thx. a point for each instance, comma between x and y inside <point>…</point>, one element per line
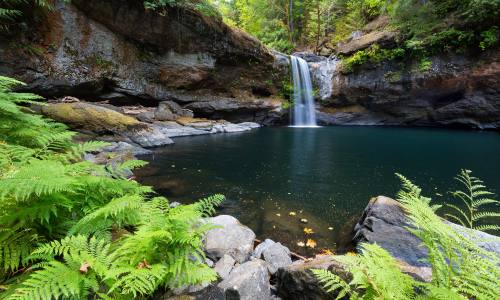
<point>303,111</point>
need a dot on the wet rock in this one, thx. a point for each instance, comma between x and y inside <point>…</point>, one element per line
<point>232,238</point>
<point>248,281</point>
<point>150,136</point>
<point>296,282</point>
<point>224,266</point>
<point>126,147</point>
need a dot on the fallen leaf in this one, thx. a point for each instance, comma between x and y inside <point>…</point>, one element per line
<point>308,230</point>
<point>303,220</point>
<point>301,244</point>
<point>279,215</point>
<point>326,252</point>
<point>350,253</point>
<point>84,268</point>
<point>330,228</point>
<point>311,243</point>
<point>292,213</point>
<point>143,265</point>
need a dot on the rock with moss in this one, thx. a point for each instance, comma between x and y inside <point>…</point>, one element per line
<point>88,117</point>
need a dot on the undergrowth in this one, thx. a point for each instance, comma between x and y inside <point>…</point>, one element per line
<point>73,229</point>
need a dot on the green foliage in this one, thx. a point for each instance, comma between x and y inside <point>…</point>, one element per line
<point>70,228</point>
<point>11,13</point>
<point>203,6</point>
<point>489,38</point>
<point>474,196</point>
<point>460,269</point>
<point>374,55</point>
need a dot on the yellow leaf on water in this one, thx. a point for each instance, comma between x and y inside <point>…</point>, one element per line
<point>308,230</point>
<point>311,243</point>
<point>326,252</point>
<point>292,213</point>
<point>279,215</point>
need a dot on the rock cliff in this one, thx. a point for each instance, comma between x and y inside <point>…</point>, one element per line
<point>117,51</point>
<point>456,91</point>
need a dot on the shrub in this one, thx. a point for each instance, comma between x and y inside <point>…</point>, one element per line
<point>70,228</point>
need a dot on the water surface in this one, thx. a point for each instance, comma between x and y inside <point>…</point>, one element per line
<point>325,175</point>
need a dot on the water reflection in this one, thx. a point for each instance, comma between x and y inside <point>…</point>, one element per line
<point>325,175</point>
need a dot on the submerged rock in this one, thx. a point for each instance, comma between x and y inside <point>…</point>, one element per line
<point>231,238</point>
<point>248,281</point>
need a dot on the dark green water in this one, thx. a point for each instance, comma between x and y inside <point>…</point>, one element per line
<point>325,175</point>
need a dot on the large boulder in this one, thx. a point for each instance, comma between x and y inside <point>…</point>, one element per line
<point>90,117</point>
<point>248,281</point>
<point>297,282</point>
<point>230,237</point>
<point>385,223</point>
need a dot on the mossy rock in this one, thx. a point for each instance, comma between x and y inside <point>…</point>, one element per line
<point>85,116</point>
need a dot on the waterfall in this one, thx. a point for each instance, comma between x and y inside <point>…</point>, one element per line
<point>303,111</point>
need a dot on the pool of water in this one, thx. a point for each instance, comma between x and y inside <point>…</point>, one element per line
<point>274,177</point>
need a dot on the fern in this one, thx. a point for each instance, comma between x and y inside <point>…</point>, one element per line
<point>474,197</point>
<point>71,229</point>
<point>460,269</point>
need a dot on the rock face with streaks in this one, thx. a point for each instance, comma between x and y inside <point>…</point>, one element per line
<point>460,91</point>
<point>118,51</point>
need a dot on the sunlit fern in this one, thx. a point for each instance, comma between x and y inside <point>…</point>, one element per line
<point>460,269</point>
<point>474,197</point>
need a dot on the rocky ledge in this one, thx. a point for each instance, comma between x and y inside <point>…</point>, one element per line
<point>270,271</point>
<point>138,126</point>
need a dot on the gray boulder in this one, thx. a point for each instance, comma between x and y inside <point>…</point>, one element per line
<point>152,136</point>
<point>384,222</point>
<point>277,256</point>
<point>257,253</point>
<point>231,238</point>
<point>249,281</point>
<point>224,266</point>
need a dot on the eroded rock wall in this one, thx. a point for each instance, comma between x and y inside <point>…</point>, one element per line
<point>116,50</point>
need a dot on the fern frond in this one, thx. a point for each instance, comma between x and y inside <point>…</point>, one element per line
<point>207,205</point>
<point>332,282</point>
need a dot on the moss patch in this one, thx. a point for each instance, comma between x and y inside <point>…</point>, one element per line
<point>91,117</point>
